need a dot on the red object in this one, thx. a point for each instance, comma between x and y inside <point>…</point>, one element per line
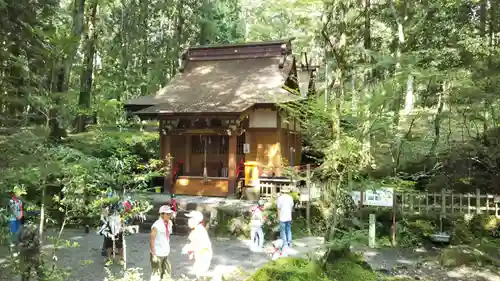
<point>127,206</point>
<point>176,170</point>
<point>173,204</point>
<point>167,233</point>
<point>241,168</point>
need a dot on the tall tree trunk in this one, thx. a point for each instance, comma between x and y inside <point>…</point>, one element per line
<point>144,57</point>
<point>442,97</point>
<point>396,106</point>
<point>368,78</point>
<point>88,69</point>
<point>61,75</point>
<point>124,52</point>
<point>179,29</point>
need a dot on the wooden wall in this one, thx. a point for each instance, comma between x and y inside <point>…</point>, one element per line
<point>197,186</point>
<point>271,147</point>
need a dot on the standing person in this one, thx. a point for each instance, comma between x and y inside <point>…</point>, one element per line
<point>173,206</point>
<point>256,222</point>
<point>104,221</point>
<point>30,250</point>
<point>199,247</point>
<point>159,244</point>
<point>284,204</point>
<point>113,238</point>
<point>16,220</point>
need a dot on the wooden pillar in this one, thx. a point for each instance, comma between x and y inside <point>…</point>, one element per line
<point>280,144</point>
<point>187,161</point>
<point>167,160</point>
<point>231,165</point>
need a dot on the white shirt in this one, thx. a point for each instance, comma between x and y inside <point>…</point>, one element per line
<point>200,242</point>
<point>285,207</point>
<point>162,242</point>
<point>257,219</point>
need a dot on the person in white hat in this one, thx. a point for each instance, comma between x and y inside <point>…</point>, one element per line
<point>199,247</point>
<point>285,205</point>
<point>159,244</point>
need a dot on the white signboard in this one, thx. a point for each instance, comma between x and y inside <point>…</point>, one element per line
<point>246,148</point>
<point>382,197</point>
<point>356,196</point>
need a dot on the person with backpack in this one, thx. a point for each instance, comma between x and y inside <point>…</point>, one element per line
<point>16,219</point>
<point>256,222</point>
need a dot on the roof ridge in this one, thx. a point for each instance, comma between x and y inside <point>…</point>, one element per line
<point>241,44</point>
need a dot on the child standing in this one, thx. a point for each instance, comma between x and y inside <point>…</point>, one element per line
<point>199,247</point>
<point>256,223</point>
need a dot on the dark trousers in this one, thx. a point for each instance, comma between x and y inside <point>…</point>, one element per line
<point>103,250</point>
<point>160,268</point>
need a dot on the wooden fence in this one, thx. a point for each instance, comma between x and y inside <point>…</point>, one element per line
<point>269,187</point>
<point>448,203</point>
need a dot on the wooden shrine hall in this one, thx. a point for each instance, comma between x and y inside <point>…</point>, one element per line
<point>222,109</point>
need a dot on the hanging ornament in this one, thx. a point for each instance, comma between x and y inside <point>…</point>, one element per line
<point>209,140</point>
<point>223,140</point>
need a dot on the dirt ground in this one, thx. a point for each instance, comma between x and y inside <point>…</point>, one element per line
<point>86,262</point>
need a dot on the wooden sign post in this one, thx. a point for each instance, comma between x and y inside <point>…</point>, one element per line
<point>372,231</point>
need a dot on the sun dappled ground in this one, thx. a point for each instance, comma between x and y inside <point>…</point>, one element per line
<point>86,262</point>
<point>232,256</point>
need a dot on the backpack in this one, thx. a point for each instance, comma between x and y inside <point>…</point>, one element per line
<point>16,206</point>
<point>115,224</point>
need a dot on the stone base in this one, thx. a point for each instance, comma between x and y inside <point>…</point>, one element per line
<point>252,193</point>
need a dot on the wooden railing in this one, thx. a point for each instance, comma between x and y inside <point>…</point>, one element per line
<point>270,187</point>
<point>448,203</point>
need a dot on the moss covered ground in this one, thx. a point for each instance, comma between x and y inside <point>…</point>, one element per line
<point>296,269</point>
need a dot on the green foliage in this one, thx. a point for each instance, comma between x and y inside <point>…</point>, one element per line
<point>346,267</point>
<point>75,179</point>
<point>288,268</point>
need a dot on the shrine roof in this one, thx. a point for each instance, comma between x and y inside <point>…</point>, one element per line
<point>226,78</point>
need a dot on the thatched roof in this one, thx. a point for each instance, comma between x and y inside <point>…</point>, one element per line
<point>229,80</point>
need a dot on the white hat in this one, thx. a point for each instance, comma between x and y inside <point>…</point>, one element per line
<point>195,215</point>
<point>165,210</point>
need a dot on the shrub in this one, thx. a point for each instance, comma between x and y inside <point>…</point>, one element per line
<point>290,269</point>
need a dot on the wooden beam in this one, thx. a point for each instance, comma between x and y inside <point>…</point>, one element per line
<point>279,137</point>
<point>168,161</point>
<point>232,163</point>
<point>187,162</point>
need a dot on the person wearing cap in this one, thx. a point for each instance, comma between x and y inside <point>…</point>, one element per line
<point>199,247</point>
<point>256,222</point>
<point>159,244</point>
<point>285,204</point>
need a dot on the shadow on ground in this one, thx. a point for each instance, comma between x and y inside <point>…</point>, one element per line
<point>86,263</point>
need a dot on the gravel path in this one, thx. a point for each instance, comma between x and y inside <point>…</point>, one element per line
<point>86,262</point>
